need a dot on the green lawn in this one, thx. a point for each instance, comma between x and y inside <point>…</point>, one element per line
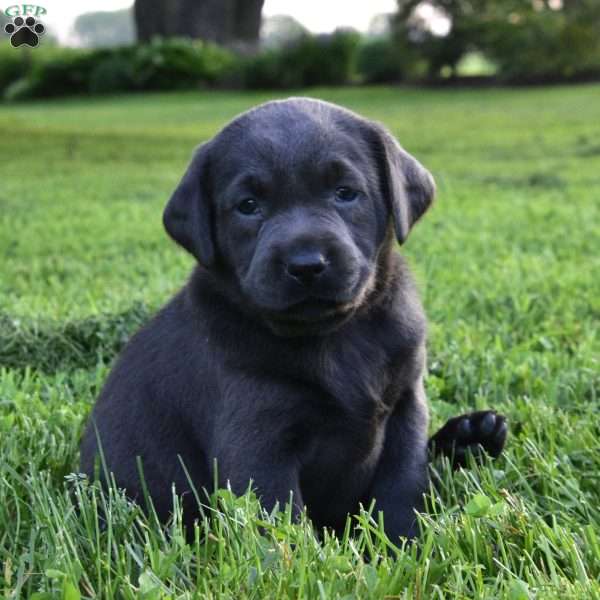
<point>508,262</point>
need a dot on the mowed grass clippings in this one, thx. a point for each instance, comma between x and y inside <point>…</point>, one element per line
<point>508,262</point>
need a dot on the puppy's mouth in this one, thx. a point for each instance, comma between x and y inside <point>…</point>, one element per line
<point>311,316</point>
<point>312,309</point>
<point>316,313</point>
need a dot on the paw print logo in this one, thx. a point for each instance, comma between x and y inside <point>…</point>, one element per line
<point>24,31</point>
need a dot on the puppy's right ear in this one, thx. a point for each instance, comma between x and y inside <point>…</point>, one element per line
<point>188,214</point>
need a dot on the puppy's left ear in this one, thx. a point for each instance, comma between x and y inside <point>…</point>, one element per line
<point>407,184</point>
<point>188,214</point>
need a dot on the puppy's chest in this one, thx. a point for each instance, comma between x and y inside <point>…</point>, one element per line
<point>345,426</point>
<point>357,371</point>
<point>356,380</point>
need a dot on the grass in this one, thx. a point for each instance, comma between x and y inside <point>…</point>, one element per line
<point>508,263</point>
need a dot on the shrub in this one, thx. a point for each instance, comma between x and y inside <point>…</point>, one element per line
<point>113,74</point>
<point>217,63</point>
<point>309,61</point>
<point>548,45</point>
<point>19,89</point>
<point>337,61</point>
<point>55,72</point>
<point>159,65</point>
<point>379,61</point>
<point>176,63</point>
<point>265,71</point>
<point>14,64</point>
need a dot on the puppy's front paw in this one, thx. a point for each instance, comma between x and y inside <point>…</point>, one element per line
<point>476,432</point>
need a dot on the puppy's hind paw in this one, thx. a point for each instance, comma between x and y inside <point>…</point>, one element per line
<point>475,433</point>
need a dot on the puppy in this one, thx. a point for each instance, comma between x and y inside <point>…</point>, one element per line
<point>294,356</point>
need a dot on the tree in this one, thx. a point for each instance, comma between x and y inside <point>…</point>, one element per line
<point>380,25</point>
<point>279,31</point>
<point>526,39</point>
<point>234,23</point>
<point>98,29</point>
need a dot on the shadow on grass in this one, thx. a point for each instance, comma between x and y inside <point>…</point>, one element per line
<point>48,346</point>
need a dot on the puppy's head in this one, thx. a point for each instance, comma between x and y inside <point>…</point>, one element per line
<point>290,206</point>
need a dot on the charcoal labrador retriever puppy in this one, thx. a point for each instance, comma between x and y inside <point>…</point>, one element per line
<point>294,356</point>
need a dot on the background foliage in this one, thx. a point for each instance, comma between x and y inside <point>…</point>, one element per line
<point>517,41</point>
<point>527,40</point>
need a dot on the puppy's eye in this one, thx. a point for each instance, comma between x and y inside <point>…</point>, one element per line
<point>248,206</point>
<point>345,194</point>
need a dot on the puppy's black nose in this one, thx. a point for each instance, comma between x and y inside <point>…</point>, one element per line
<point>306,266</point>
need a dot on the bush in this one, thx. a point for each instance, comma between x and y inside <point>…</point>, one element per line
<point>336,64</point>
<point>378,61</point>
<point>544,46</point>
<point>55,72</point>
<point>165,64</point>
<point>160,65</point>
<point>114,74</point>
<point>18,90</point>
<point>13,65</point>
<point>310,61</point>
<point>265,71</point>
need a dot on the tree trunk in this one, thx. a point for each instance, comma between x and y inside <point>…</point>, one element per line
<point>233,23</point>
<point>150,18</point>
<point>246,26</point>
